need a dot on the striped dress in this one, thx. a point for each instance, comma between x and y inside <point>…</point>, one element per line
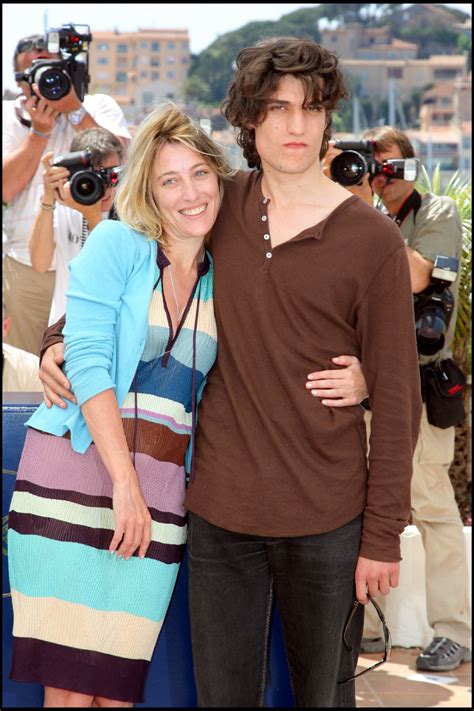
<point>85,620</point>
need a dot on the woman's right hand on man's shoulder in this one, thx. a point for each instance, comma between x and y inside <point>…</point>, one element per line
<point>56,387</point>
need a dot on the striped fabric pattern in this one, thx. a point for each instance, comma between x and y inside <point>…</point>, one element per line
<point>85,620</point>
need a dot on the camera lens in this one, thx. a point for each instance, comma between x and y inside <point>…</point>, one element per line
<point>53,83</point>
<point>87,187</point>
<point>348,168</point>
<point>430,330</point>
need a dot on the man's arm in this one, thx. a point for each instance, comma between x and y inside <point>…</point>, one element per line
<point>57,387</point>
<point>19,165</point>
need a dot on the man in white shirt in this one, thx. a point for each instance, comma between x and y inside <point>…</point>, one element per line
<point>33,125</point>
<point>19,368</point>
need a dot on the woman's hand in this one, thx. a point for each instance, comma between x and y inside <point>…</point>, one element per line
<point>132,519</point>
<point>339,386</point>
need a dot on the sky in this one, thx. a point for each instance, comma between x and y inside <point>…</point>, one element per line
<point>205,22</point>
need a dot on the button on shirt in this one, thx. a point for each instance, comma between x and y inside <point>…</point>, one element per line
<point>271,459</point>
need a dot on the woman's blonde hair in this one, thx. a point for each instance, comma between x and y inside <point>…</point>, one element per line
<point>134,200</point>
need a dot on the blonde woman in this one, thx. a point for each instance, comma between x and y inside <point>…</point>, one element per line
<point>97,524</point>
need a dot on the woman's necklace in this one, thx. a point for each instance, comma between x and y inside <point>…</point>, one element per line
<point>178,313</point>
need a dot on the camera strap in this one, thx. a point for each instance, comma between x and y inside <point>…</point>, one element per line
<point>20,112</point>
<point>413,202</point>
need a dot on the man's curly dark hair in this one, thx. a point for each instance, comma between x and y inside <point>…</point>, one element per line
<point>259,70</point>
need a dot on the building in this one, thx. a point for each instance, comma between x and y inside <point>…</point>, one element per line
<point>354,41</point>
<point>409,75</point>
<point>139,69</point>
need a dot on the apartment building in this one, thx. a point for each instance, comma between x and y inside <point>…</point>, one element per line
<point>139,69</point>
<point>408,75</point>
<point>354,41</point>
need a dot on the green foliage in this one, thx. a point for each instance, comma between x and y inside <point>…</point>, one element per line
<point>460,190</point>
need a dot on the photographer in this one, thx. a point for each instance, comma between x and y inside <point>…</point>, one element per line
<point>33,125</point>
<point>430,226</point>
<point>60,230</point>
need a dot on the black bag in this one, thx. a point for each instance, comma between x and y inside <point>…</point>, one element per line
<point>442,385</point>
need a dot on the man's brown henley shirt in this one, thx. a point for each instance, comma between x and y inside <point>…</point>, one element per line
<point>272,460</point>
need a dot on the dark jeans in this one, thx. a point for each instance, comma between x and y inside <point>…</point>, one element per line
<point>232,581</point>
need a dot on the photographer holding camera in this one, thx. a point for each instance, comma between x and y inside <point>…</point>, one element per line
<point>83,183</point>
<point>432,231</point>
<point>53,107</point>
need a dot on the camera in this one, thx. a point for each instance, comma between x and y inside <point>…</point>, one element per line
<point>434,306</point>
<point>55,77</point>
<point>357,159</point>
<point>87,185</point>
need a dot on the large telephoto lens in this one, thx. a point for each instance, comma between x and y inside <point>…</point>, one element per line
<point>53,83</point>
<point>348,168</point>
<point>87,187</point>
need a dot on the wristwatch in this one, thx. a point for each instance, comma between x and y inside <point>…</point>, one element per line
<point>75,117</point>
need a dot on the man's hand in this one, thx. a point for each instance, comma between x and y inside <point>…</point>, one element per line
<point>54,177</point>
<point>375,576</point>
<point>56,385</point>
<point>364,191</point>
<point>340,386</point>
<point>43,114</point>
<point>70,102</point>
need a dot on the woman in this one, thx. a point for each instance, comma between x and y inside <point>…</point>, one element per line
<point>106,476</point>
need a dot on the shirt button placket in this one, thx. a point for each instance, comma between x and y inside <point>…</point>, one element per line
<point>266,237</point>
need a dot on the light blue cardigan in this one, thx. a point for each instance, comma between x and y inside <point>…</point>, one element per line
<point>110,287</point>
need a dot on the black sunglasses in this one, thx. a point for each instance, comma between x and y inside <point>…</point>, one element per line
<point>26,45</point>
<point>386,635</point>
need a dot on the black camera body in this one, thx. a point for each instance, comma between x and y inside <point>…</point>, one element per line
<point>357,159</point>
<point>434,306</point>
<point>87,184</point>
<point>55,77</point>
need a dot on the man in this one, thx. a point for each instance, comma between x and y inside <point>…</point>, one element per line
<point>61,230</point>
<point>31,126</point>
<point>281,504</point>
<point>19,368</point>
<point>430,226</point>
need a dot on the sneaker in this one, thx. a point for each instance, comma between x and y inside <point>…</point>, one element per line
<point>443,655</point>
<point>372,646</point>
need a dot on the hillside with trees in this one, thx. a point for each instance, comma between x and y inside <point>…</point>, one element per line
<point>212,69</point>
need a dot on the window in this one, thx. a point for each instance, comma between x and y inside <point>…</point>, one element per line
<point>446,101</point>
<point>445,73</point>
<point>143,74</point>
<point>155,62</point>
<point>143,44</point>
<point>155,75</point>
<point>184,60</point>
<point>103,60</point>
<point>122,62</point>
<point>148,98</point>
<point>171,44</point>
<point>102,75</point>
<point>122,48</point>
<point>395,73</point>
<point>155,46</point>
<point>171,74</point>
<point>103,46</point>
<point>184,44</point>
<point>121,76</point>
<point>171,60</point>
